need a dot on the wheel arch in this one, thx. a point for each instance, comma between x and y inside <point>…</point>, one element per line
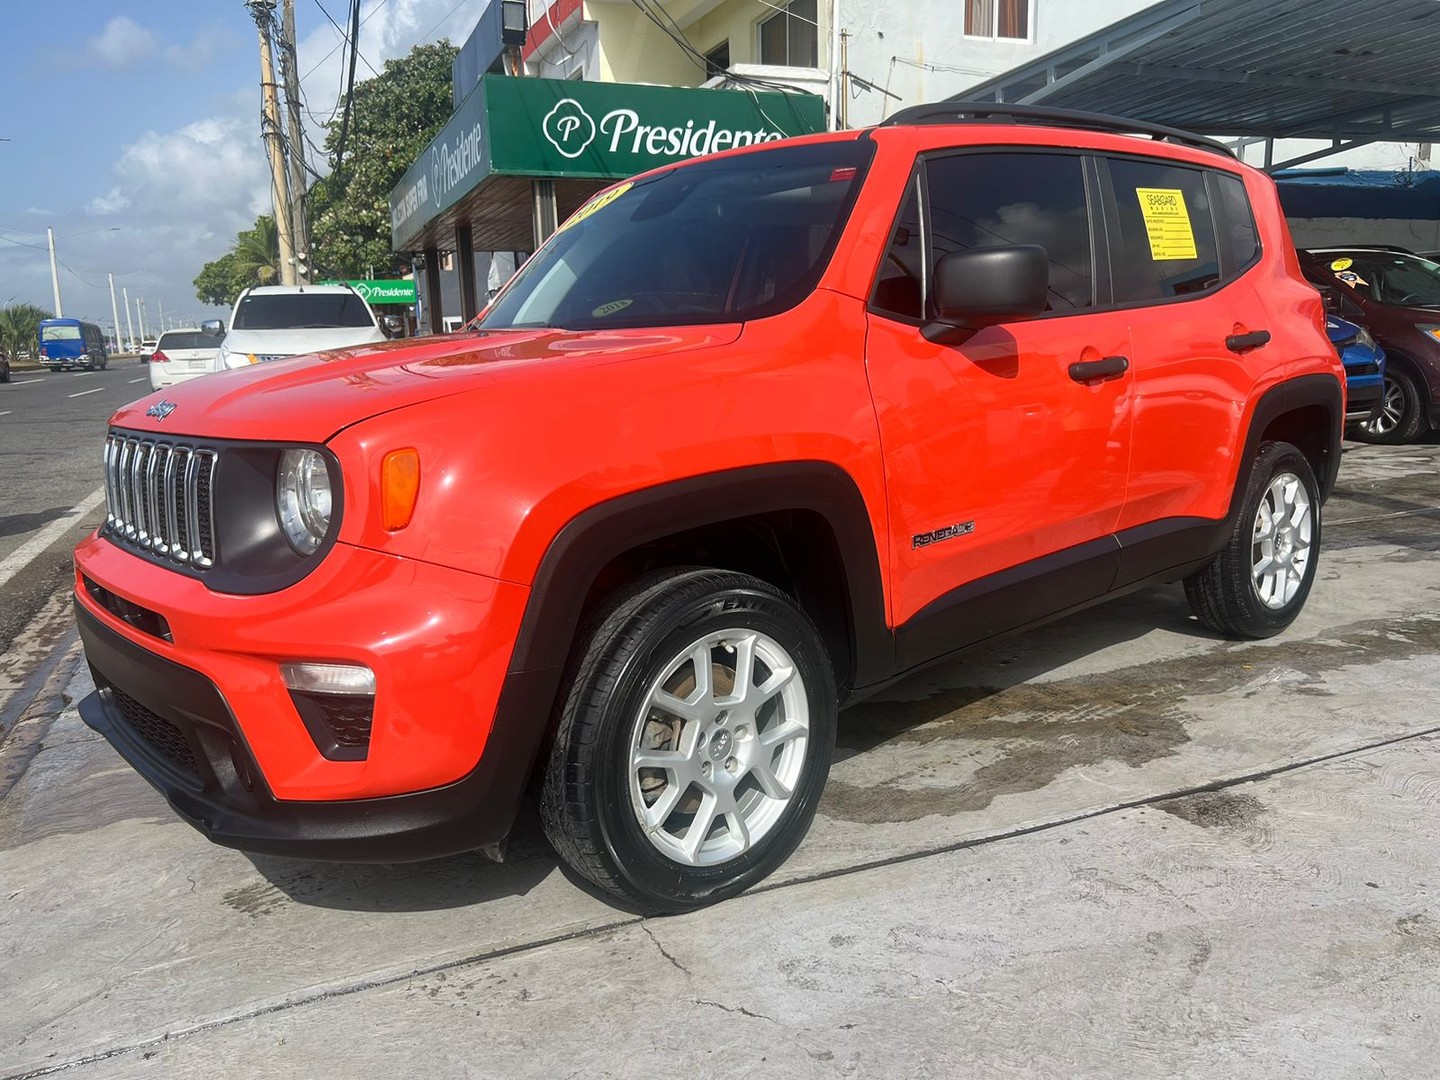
<point>804,521</point>
<point>1309,413</point>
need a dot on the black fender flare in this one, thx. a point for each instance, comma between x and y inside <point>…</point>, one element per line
<point>1325,391</point>
<point>609,529</point>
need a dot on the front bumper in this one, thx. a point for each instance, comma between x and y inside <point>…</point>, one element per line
<point>188,692</point>
<point>1363,395</point>
<point>176,731</point>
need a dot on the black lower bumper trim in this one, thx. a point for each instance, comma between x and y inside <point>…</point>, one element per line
<point>218,788</point>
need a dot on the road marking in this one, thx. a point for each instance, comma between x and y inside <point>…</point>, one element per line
<point>82,393</point>
<point>79,374</point>
<point>7,412</point>
<point>18,559</point>
<point>134,381</point>
<point>25,382</point>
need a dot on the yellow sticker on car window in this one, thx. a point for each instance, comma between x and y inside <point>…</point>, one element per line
<point>1342,264</point>
<point>1167,223</point>
<point>604,199</point>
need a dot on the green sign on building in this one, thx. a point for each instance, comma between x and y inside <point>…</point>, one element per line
<point>584,130</point>
<point>381,292</point>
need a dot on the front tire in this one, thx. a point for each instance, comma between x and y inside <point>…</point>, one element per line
<point>695,736</point>
<point>1401,416</point>
<point>1257,585</point>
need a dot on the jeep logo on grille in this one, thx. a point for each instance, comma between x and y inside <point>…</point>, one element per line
<point>160,409</point>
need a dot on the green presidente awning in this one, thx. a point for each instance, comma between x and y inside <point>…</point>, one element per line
<point>572,131</point>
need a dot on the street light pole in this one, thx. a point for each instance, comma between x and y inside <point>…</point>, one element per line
<point>129,326</point>
<point>54,274</point>
<point>140,315</point>
<point>114,311</point>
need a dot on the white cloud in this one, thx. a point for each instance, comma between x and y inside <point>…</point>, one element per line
<point>37,211</point>
<point>112,202</point>
<point>123,43</point>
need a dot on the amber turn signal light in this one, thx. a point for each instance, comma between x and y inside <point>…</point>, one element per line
<point>399,487</point>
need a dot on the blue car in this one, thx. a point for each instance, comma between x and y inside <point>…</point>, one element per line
<point>1364,368</point>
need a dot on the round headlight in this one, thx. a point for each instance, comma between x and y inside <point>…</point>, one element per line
<point>302,498</point>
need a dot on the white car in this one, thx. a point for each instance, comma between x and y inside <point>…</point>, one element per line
<point>271,322</point>
<point>147,348</point>
<point>181,355</point>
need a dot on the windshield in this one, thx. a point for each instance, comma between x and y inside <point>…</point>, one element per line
<point>60,333</point>
<point>301,311</point>
<point>720,241</point>
<point>188,339</point>
<point>1390,278</point>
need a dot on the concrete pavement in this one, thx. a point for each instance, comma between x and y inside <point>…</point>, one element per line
<point>1054,910</point>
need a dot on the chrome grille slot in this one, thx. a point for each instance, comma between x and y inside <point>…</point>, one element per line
<point>160,498</point>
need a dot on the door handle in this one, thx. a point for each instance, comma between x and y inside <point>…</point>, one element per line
<point>1110,367</point>
<point>1238,343</point>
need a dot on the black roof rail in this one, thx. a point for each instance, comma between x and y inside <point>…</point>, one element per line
<point>991,112</point>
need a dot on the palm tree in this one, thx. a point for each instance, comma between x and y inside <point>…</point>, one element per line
<point>19,323</point>
<point>257,252</point>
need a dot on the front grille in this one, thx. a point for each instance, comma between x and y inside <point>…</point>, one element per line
<point>163,737</point>
<point>159,498</point>
<point>1369,367</point>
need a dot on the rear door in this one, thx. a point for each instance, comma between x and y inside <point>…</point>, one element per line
<point>1005,470</point>
<point>1183,239</point>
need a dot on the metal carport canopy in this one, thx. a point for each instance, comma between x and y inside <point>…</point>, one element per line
<point>1349,71</point>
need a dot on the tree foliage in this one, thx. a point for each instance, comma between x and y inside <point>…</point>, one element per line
<point>394,118</point>
<point>19,323</point>
<point>254,260</point>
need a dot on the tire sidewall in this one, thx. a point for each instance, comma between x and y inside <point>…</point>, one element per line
<point>1412,421</point>
<point>658,879</point>
<point>1275,459</point>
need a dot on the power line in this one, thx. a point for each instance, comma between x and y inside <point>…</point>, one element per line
<point>344,36</point>
<point>381,3</point>
<point>350,88</point>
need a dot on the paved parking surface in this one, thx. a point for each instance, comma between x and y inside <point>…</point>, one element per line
<point>1018,870</point>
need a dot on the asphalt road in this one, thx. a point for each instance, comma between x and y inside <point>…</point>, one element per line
<point>52,428</point>
<point>1117,846</point>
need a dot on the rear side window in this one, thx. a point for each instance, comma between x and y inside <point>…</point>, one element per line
<point>1167,232</point>
<point>996,200</point>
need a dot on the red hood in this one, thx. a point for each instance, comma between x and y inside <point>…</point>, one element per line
<point>310,398</point>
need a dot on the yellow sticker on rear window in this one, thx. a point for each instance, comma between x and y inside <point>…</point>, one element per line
<point>1167,223</point>
<point>604,199</point>
<point>1342,264</point>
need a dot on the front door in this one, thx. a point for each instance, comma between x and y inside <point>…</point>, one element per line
<point>1006,469</point>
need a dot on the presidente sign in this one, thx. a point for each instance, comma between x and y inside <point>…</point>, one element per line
<point>584,130</point>
<point>381,292</point>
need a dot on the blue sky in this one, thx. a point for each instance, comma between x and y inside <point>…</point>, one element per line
<point>134,133</point>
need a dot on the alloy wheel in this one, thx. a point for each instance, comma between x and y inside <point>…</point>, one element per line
<point>1281,541</point>
<point>718,747</point>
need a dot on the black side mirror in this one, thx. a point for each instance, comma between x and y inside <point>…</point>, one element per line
<point>985,286</point>
<point>212,328</point>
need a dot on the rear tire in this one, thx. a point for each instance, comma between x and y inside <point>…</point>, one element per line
<point>1401,415</point>
<point>4,373</point>
<point>1257,585</point>
<point>695,734</point>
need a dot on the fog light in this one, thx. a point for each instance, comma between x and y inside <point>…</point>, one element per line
<point>316,678</point>
<point>336,703</point>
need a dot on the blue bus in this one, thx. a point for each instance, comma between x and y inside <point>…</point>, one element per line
<point>67,343</point>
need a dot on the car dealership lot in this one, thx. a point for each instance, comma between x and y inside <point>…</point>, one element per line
<point>1054,912</point>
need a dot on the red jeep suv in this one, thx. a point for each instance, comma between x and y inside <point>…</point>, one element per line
<point>746,439</point>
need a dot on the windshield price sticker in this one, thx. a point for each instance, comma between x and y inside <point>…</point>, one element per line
<point>1167,223</point>
<point>604,199</point>
<point>1342,264</point>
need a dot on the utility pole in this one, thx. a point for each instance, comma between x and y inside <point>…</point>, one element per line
<point>263,12</point>
<point>299,221</point>
<point>129,326</point>
<point>140,315</point>
<point>54,274</point>
<point>114,312</point>
<point>162,316</point>
<point>844,80</point>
